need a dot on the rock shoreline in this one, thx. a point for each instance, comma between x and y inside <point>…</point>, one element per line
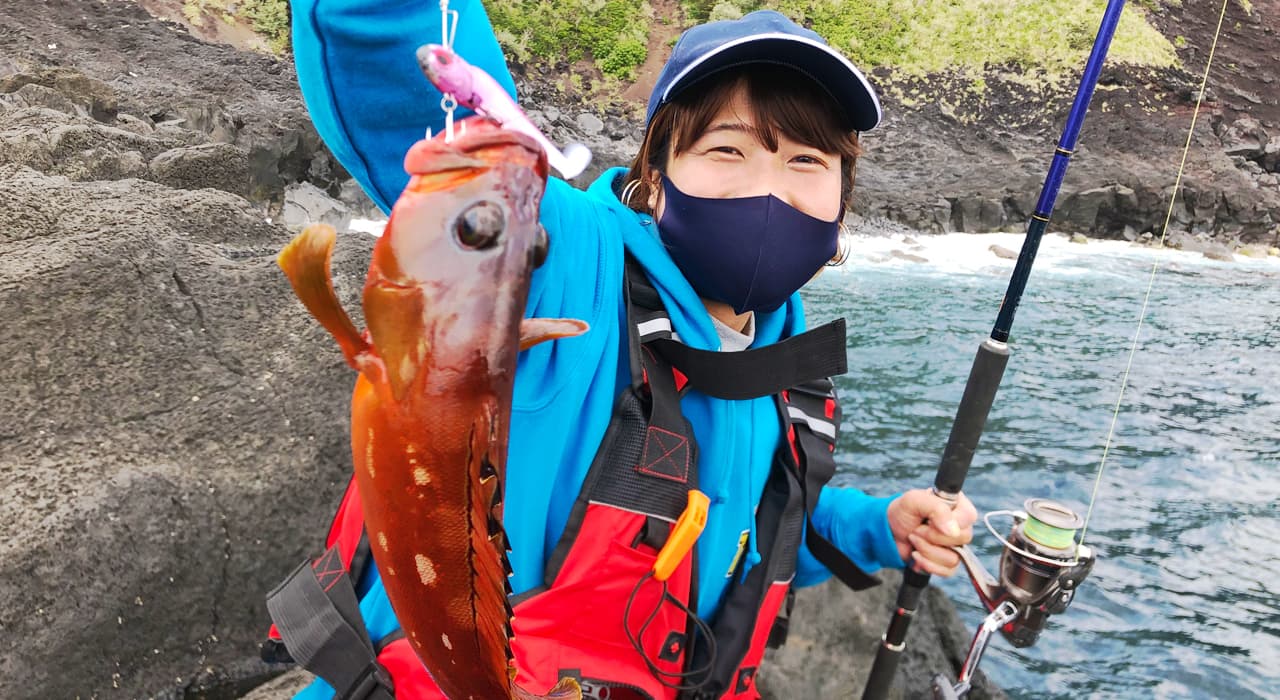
<point>173,441</point>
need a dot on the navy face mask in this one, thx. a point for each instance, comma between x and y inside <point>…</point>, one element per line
<point>751,253</point>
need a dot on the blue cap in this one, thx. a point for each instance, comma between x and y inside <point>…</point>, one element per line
<point>765,36</point>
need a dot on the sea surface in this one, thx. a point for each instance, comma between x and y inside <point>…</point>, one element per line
<point>1184,601</point>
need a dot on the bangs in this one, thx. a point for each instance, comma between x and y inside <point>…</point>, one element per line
<point>782,101</point>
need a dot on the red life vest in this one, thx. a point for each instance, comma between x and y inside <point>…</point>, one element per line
<point>601,616</point>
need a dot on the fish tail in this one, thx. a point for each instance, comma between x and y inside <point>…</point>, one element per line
<point>566,689</point>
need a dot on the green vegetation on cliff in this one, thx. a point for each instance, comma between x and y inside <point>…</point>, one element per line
<point>612,32</point>
<point>1042,42</point>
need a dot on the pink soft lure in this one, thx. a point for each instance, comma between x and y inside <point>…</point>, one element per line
<point>477,90</point>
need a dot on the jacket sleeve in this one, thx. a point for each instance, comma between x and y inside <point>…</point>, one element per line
<point>358,70</point>
<point>858,525</point>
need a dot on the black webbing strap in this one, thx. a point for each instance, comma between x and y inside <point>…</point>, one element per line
<point>749,374</point>
<point>318,617</point>
<point>805,408</point>
<point>815,354</point>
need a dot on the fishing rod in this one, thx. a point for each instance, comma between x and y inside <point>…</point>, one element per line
<point>1041,564</point>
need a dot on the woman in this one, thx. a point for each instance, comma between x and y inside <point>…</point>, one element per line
<point>732,204</point>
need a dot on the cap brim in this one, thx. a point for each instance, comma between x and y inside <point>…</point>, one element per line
<point>832,71</point>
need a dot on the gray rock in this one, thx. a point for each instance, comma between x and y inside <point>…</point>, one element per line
<point>92,97</point>
<point>909,257</point>
<point>305,204</point>
<point>220,166</point>
<point>138,125</point>
<point>590,124</point>
<point>1271,155</point>
<point>281,687</point>
<point>1079,210</point>
<point>351,194</point>
<point>173,399</point>
<point>977,214</point>
<point>1003,252</point>
<point>939,219</point>
<point>1245,137</point>
<point>36,95</point>
<point>1217,251</point>
<point>834,632</point>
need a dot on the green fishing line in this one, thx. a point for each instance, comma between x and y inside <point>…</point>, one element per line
<point>1048,535</point>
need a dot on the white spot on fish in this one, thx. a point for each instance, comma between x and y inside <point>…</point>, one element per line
<point>420,476</point>
<point>391,571</point>
<point>368,454</point>
<point>382,540</point>
<point>406,366</point>
<point>426,570</point>
<point>447,644</point>
<point>410,448</point>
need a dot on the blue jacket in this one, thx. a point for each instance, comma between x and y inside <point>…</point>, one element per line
<point>369,101</point>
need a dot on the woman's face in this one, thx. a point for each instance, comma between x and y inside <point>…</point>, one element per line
<point>728,160</point>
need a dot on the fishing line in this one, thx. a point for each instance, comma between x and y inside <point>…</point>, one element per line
<point>1164,232</point>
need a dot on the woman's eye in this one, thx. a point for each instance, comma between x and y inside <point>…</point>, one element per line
<point>729,150</point>
<point>809,160</point>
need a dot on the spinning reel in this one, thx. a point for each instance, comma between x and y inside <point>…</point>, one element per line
<point>1040,568</point>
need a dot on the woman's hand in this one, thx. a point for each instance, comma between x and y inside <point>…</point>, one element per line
<point>925,528</point>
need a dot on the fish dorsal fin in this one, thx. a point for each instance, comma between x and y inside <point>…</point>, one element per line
<point>490,605</point>
<point>307,262</point>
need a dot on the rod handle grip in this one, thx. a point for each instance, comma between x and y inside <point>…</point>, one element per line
<point>971,416</point>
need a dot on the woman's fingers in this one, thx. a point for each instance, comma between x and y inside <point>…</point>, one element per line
<point>932,558</point>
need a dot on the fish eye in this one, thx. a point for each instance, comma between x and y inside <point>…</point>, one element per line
<point>541,244</point>
<point>480,225</point>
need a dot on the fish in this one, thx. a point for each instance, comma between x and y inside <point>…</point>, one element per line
<point>477,90</point>
<point>443,306</point>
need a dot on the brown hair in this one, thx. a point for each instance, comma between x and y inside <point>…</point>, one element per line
<point>781,99</point>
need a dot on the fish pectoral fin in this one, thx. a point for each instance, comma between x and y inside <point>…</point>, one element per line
<point>394,317</point>
<point>537,330</point>
<point>566,689</point>
<point>307,261</point>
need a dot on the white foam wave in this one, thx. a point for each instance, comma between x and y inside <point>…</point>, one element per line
<point>373,227</point>
<point>973,253</point>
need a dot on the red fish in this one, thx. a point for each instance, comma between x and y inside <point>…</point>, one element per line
<point>443,303</point>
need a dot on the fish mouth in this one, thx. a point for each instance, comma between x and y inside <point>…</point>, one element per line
<point>477,144</point>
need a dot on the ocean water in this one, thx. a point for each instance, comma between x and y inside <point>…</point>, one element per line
<point>1184,601</point>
